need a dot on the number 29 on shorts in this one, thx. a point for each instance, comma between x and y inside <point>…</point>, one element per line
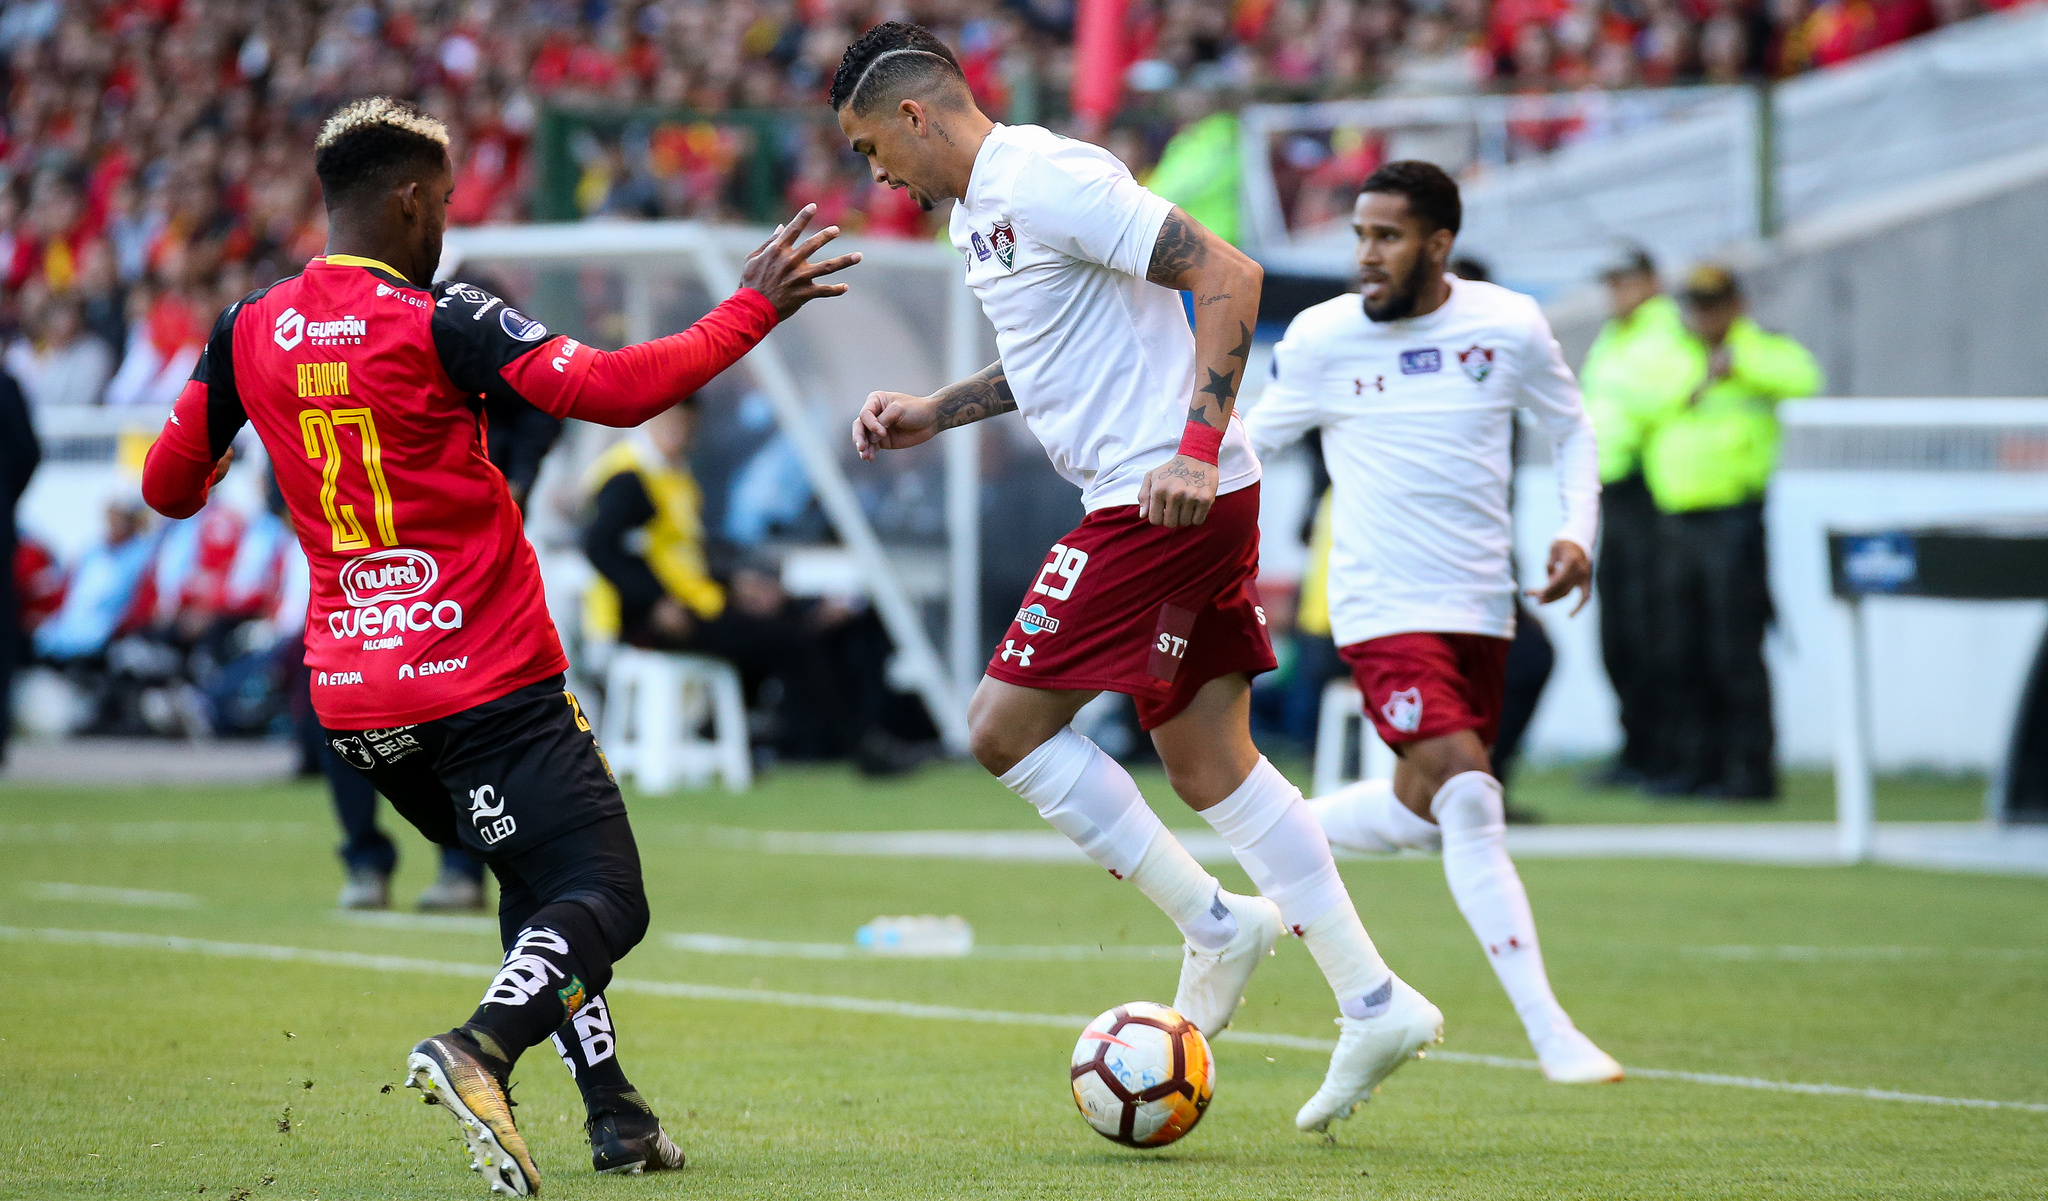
<point>1064,562</point>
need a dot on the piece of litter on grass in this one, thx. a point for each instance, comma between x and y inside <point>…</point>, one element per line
<point>289,1034</point>
<point>385,1089</point>
<point>307,1084</point>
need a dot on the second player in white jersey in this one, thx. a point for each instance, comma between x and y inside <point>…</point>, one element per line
<point>1058,238</point>
<point>1419,415</point>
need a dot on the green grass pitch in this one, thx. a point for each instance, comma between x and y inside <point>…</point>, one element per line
<point>137,1072</point>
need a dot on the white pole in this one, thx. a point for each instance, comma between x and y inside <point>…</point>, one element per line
<point>1855,809</point>
<point>892,604</point>
<point>963,498</point>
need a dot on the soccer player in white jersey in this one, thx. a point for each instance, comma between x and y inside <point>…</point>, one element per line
<point>1077,267</point>
<point>1415,382</point>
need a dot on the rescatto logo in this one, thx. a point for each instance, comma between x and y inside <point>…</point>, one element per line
<point>388,575</point>
<point>520,326</point>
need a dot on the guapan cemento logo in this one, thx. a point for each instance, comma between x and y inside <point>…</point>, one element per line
<point>388,575</point>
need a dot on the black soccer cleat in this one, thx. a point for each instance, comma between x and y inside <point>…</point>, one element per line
<point>627,1141</point>
<point>450,1071</point>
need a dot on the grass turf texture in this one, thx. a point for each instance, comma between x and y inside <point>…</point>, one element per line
<point>140,1073</point>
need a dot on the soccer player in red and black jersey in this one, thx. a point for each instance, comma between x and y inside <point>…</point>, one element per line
<point>436,670</point>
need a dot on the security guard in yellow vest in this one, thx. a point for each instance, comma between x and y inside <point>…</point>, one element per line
<point>646,539</point>
<point>1711,445</point>
<point>1618,379</point>
<point>644,533</point>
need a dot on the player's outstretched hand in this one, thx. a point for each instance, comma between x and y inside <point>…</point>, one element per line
<point>1569,569</point>
<point>1178,492</point>
<point>893,421</point>
<point>781,270</point>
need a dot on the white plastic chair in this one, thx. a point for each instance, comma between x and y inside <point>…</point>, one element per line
<point>656,701</point>
<point>1340,708</point>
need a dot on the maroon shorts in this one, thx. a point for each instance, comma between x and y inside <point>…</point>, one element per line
<point>1122,605</point>
<point>1419,686</point>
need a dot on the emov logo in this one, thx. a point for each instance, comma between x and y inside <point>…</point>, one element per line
<point>569,348</point>
<point>436,668</point>
<point>290,329</point>
<point>388,575</point>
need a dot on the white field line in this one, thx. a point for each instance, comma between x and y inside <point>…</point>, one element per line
<point>151,832</point>
<point>1793,954</point>
<point>98,894</point>
<point>720,944</point>
<point>756,996</point>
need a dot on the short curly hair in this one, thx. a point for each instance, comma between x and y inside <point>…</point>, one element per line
<point>1432,194</point>
<point>893,60</point>
<point>376,143</point>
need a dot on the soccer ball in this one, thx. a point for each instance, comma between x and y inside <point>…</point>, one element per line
<point>1143,1075</point>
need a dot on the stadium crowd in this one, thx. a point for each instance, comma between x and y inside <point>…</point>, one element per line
<point>152,166</point>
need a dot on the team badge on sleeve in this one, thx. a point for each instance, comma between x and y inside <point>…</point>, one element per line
<point>1477,362</point>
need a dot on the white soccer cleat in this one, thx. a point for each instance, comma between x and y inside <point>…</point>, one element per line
<point>1212,982</point>
<point>1569,1057</point>
<point>1368,1051</point>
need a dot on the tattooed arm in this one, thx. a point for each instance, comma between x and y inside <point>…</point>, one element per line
<point>1225,283</point>
<point>893,421</point>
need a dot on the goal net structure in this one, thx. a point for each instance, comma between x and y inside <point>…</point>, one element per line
<point>902,532</point>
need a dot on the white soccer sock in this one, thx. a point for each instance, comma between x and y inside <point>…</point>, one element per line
<point>1276,838</point>
<point>1090,798</point>
<point>1469,810</point>
<point>1366,817</point>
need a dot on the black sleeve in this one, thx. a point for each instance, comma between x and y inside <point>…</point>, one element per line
<point>521,436</point>
<point>476,335</point>
<point>224,414</point>
<point>20,452</point>
<point>621,507</point>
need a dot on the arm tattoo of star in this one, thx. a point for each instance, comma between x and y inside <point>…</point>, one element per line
<point>1242,352</point>
<point>980,396</point>
<point>1179,250</point>
<point>1224,389</point>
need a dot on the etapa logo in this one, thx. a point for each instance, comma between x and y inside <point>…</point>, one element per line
<point>388,575</point>
<point>290,329</point>
<point>520,327</point>
<point>1403,710</point>
<point>339,677</point>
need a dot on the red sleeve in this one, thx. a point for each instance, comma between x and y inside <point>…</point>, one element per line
<point>565,378</point>
<point>179,469</point>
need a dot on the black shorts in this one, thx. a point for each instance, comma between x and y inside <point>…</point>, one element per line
<point>498,779</point>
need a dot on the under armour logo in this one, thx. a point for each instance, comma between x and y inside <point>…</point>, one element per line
<point>1023,656</point>
<point>1379,384</point>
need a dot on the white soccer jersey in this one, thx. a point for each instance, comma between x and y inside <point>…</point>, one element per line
<point>1057,238</point>
<point>1417,419</point>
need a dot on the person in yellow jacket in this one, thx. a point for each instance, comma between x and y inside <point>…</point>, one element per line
<point>1633,344</point>
<point>644,533</point>
<point>1711,444</point>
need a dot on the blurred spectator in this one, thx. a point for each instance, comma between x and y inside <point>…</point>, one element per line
<point>106,593</point>
<point>1619,373</point>
<point>645,536</point>
<point>1711,445</point>
<point>19,455</point>
<point>58,361</point>
<point>1199,171</point>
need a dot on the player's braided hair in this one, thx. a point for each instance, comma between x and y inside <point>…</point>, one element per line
<point>374,144</point>
<point>892,60</point>
<point>1432,194</point>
